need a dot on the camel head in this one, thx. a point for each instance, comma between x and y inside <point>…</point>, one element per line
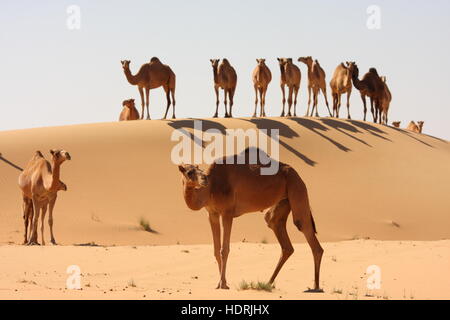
<point>59,156</point>
<point>214,63</point>
<point>284,61</point>
<point>193,176</point>
<point>125,64</point>
<point>62,186</point>
<point>128,103</point>
<point>353,68</point>
<point>306,60</point>
<point>396,124</point>
<point>261,62</point>
<point>420,125</point>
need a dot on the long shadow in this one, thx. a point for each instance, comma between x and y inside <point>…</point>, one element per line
<point>316,127</point>
<point>369,128</point>
<point>411,135</point>
<point>10,163</point>
<point>343,127</point>
<point>285,131</point>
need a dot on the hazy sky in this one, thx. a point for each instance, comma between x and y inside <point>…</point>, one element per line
<point>51,75</point>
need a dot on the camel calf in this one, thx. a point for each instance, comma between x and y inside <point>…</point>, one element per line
<point>412,126</point>
<point>129,111</point>
<point>396,124</point>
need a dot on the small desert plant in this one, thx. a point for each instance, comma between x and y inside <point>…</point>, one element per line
<point>131,283</point>
<point>337,290</point>
<point>146,225</point>
<point>264,241</point>
<point>260,286</point>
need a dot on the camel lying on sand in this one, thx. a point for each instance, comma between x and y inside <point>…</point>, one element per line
<point>228,191</point>
<point>129,111</point>
<point>412,126</point>
<point>396,124</point>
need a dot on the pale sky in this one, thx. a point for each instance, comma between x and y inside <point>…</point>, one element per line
<point>53,76</point>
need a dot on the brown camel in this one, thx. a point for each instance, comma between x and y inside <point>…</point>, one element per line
<point>228,191</point>
<point>261,79</point>
<point>150,76</point>
<point>341,83</point>
<point>371,86</point>
<point>385,102</point>
<point>396,124</point>
<point>316,83</point>
<point>38,182</point>
<point>29,213</point>
<point>412,126</point>
<point>129,111</point>
<point>290,77</point>
<point>225,78</point>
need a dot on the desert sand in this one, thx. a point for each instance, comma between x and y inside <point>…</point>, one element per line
<point>379,196</point>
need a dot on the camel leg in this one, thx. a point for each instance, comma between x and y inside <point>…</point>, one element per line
<point>338,106</point>
<point>315,99</point>
<point>290,93</point>
<point>295,100</point>
<point>147,102</point>
<point>225,101</point>
<point>333,96</point>
<point>27,217</point>
<point>363,98</point>
<point>172,91</point>
<point>284,99</point>
<point>276,219</point>
<point>264,101</point>
<point>50,219</point>
<point>349,92</point>
<point>374,115</point>
<point>44,211</point>
<point>216,90</point>
<point>261,102</point>
<point>231,93</point>
<point>227,222</point>
<point>309,101</point>
<point>215,228</point>
<point>324,91</point>
<point>33,236</point>
<point>256,100</point>
<point>141,92</point>
<point>166,89</point>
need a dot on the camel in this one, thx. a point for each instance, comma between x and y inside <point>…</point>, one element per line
<point>341,83</point>
<point>385,102</point>
<point>412,126</point>
<point>129,111</point>
<point>370,85</point>
<point>316,83</point>
<point>228,191</point>
<point>28,213</point>
<point>261,79</point>
<point>150,76</point>
<point>38,182</point>
<point>396,124</point>
<point>225,78</point>
<point>290,77</point>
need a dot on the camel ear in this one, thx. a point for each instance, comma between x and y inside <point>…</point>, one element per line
<point>279,59</point>
<point>52,151</point>
<point>182,168</point>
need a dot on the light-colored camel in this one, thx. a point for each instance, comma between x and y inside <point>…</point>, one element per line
<point>228,191</point>
<point>341,83</point>
<point>371,86</point>
<point>38,182</point>
<point>261,79</point>
<point>385,102</point>
<point>290,77</point>
<point>29,213</point>
<point>225,78</point>
<point>150,76</point>
<point>316,83</point>
<point>129,111</point>
<point>412,126</point>
<point>396,124</point>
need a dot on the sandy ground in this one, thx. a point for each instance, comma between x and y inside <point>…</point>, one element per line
<point>409,270</point>
<point>365,181</point>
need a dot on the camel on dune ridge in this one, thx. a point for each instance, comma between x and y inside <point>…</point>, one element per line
<point>228,191</point>
<point>129,111</point>
<point>39,182</point>
<point>261,79</point>
<point>385,102</point>
<point>396,124</point>
<point>316,83</point>
<point>225,78</point>
<point>150,76</point>
<point>341,83</point>
<point>290,77</point>
<point>412,126</point>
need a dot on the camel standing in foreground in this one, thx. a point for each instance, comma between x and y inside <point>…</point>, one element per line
<point>385,102</point>
<point>228,191</point>
<point>28,213</point>
<point>412,126</point>
<point>316,83</point>
<point>261,79</point>
<point>371,86</point>
<point>225,78</point>
<point>290,77</point>
<point>150,76</point>
<point>129,111</point>
<point>341,83</point>
<point>38,182</point>
<point>396,124</point>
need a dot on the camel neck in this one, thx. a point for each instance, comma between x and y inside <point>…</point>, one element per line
<point>356,82</point>
<point>196,198</point>
<point>216,76</point>
<point>55,176</point>
<point>132,79</point>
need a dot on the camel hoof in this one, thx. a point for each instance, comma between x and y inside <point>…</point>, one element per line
<point>215,116</point>
<point>222,286</point>
<point>54,242</point>
<point>33,243</point>
<point>317,290</point>
<point>173,117</point>
<point>289,115</point>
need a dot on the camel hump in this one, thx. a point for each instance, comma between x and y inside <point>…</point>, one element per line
<point>39,154</point>
<point>225,61</point>
<point>374,71</point>
<point>154,59</point>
